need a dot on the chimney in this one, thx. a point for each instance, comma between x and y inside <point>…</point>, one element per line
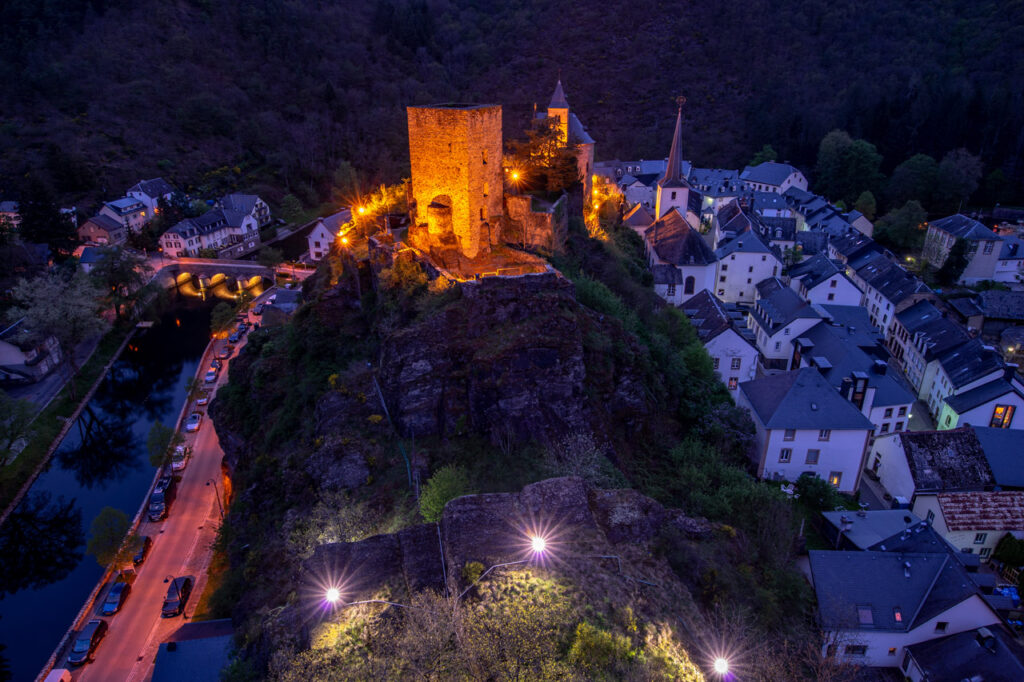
<point>880,367</point>
<point>906,569</point>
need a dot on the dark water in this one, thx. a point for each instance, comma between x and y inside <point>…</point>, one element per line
<point>45,575</point>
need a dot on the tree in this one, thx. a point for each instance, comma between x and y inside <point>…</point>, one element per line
<point>846,167</point>
<point>291,208</point>
<point>122,276</point>
<point>159,442</point>
<point>958,178</point>
<point>914,179</point>
<point>951,270</point>
<point>767,153</point>
<point>902,229</point>
<point>222,318</point>
<point>15,418</point>
<point>346,184</point>
<point>270,257</point>
<point>67,309</point>
<point>107,535</point>
<point>996,189</point>
<point>445,485</point>
<point>42,221</point>
<point>545,163</point>
<point>866,204</point>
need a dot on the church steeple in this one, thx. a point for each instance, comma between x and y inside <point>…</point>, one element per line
<point>558,100</point>
<point>674,169</point>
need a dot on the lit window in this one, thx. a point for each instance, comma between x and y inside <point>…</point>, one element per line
<point>733,383</point>
<point>897,614</point>
<point>1002,416</point>
<point>835,478</point>
<point>892,651</point>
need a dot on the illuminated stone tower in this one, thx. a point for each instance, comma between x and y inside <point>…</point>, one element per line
<point>455,155</point>
<point>673,189</point>
<point>559,108</point>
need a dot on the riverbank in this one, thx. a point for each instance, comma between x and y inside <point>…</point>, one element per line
<point>51,424</point>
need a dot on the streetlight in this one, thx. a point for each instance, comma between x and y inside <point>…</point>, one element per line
<point>333,595</point>
<point>538,545</point>
<point>721,666</point>
<point>217,493</point>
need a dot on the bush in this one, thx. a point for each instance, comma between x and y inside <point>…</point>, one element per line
<point>817,493</point>
<point>445,485</point>
<point>598,651</point>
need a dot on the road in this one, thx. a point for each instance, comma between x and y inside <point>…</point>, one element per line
<point>182,545</point>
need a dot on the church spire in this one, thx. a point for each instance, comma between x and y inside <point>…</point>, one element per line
<point>674,169</point>
<point>558,100</point>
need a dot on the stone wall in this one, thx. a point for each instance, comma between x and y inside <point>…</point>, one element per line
<point>544,230</point>
<point>455,157</point>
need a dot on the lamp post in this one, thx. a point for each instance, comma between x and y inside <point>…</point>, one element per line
<point>537,545</point>
<point>721,666</point>
<point>217,493</point>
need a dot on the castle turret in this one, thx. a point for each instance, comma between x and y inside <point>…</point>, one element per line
<point>559,108</point>
<point>673,189</point>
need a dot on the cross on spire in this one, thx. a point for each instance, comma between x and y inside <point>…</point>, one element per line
<point>680,100</point>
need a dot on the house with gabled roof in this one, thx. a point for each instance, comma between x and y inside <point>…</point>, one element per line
<point>997,404</point>
<point>919,335</point>
<point>228,231</point>
<point>772,176</point>
<point>984,246</point>
<point>247,205</point>
<point>102,229</point>
<point>819,280</point>
<point>958,370</point>
<point>743,261</point>
<point>779,316</point>
<point>1010,266</point>
<point>671,243</point>
<point>987,653</point>
<point>803,427</point>
<point>638,219</point>
<point>727,341</point>
<point>325,231</point>
<point>975,521</point>
<point>127,211</point>
<point>888,289</point>
<point>150,192</point>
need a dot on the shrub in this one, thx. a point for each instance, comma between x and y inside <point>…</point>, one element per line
<point>472,571</point>
<point>446,484</point>
<point>599,651</point>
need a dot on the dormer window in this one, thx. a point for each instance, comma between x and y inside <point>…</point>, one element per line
<point>865,617</point>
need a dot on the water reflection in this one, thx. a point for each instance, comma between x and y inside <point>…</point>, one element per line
<point>107,449</point>
<point>40,543</point>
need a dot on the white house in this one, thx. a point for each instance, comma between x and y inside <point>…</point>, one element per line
<point>888,289</point>
<point>217,229</point>
<point>779,317</point>
<point>680,260</point>
<point>728,343</point>
<point>638,219</point>
<point>804,426</point>
<point>1010,266</point>
<point>771,176</point>
<point>988,653</point>
<point>127,211</point>
<point>246,204</point>
<point>743,261</point>
<point>819,280</point>
<point>874,604</point>
<point>326,230</point>
<point>959,370</point>
<point>150,192</point>
<point>918,335</point>
<point>984,246</point>
<point>974,522</point>
<point>998,404</point>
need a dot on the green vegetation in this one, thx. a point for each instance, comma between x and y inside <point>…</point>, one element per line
<point>445,485</point>
<point>106,535</point>
<point>222,318</point>
<point>903,229</point>
<point>15,425</point>
<point>159,443</point>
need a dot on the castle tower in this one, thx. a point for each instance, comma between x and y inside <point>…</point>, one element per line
<point>673,189</point>
<point>455,155</point>
<point>559,108</point>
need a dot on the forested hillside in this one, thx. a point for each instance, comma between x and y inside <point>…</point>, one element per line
<point>276,95</point>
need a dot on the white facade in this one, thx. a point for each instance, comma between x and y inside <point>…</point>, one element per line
<point>889,461</point>
<point>132,219</point>
<point>980,541</point>
<point>677,197</point>
<point>779,345</point>
<point>836,290</point>
<point>935,386</point>
<point>320,240</point>
<point>696,278</point>
<point>1007,408</point>
<point>734,359</point>
<point>739,272</point>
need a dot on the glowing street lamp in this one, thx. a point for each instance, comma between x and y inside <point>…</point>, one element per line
<point>721,666</point>
<point>538,544</point>
<point>333,595</point>
<point>361,210</point>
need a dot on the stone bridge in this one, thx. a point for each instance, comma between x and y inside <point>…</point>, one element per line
<point>208,273</point>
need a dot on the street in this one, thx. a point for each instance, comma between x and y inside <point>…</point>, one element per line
<point>182,546</point>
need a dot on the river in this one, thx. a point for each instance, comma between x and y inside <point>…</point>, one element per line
<point>45,574</point>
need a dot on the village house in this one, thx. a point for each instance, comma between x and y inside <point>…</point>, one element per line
<point>227,231</point>
<point>326,230</point>
<point>998,404</point>
<point>819,280</point>
<point>1010,266</point>
<point>987,653</point>
<point>920,334</point>
<point>983,251</point>
<point>991,312</point>
<point>26,359</point>
<point>127,211</point>
<point>248,205</point>
<point>974,521</point>
<point>729,344</point>
<point>638,219</point>
<point>150,192</point>
<point>888,288</point>
<point>778,317</point>
<point>957,371</point>
<point>743,261</point>
<point>780,233</point>
<point>772,176</point>
<point>851,245</point>
<point>102,229</point>
<point>717,186</point>
<point>680,260</point>
<point>805,427</point>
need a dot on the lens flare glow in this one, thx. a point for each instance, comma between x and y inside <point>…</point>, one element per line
<point>333,595</point>
<point>538,544</point>
<point>721,666</point>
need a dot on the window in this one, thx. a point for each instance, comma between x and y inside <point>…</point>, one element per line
<point>735,364</point>
<point>984,552</point>
<point>733,383</point>
<point>988,247</point>
<point>899,426</point>
<point>673,195</point>
<point>930,517</point>
<point>812,456</point>
<point>979,538</point>
<point>1002,415</point>
<point>481,213</point>
<point>865,616</point>
<point>831,297</point>
<point>885,427</point>
<point>483,154</point>
<point>715,362</point>
<point>722,278</point>
<point>902,412</point>
<point>892,651</point>
<point>688,285</point>
<point>941,626</point>
<point>486,186</point>
<point>789,435</point>
<point>786,455</point>
<point>835,478</point>
<point>856,650</point>
<point>888,412</point>
<point>721,292</point>
<point>725,267</point>
<point>824,434</point>
<point>778,345</point>
<point>832,284</point>
<point>949,418</point>
<point>671,290</point>
<point>763,259</point>
<point>748,281</point>
<point>897,614</point>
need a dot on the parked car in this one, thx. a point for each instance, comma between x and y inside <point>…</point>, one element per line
<point>193,422</point>
<point>234,337</point>
<point>86,641</point>
<point>203,399</point>
<point>179,460</point>
<point>242,328</point>
<point>145,542</point>
<point>216,364</point>
<point>59,675</point>
<point>211,376</point>
<point>258,310</point>
<point>177,596</point>
<point>115,598</point>
<point>160,500</point>
<point>224,353</point>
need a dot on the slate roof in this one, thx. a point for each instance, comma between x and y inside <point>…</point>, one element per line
<point>748,242</point>
<point>1002,305</point>
<point>666,274</point>
<point>578,132</point>
<point>732,219</point>
<point>709,316</point>
<point>8,206</point>
<point>106,222</point>
<point>764,201</point>
<point>968,400</point>
<point>677,243</point>
<point>716,182</point>
<point>769,173</point>
<point>777,305</point>
<point>871,527</point>
<point>774,227</point>
<point>968,511</point>
<point>938,334</point>
<point>1012,248</point>
<point>243,203</point>
<point>1004,451</point>
<point>969,362</point>
<point>946,460</point>
<point>852,243</point>
<point>879,582</point>
<point>811,242</point>
<point>638,217</point>
<point>90,255</point>
<point>814,271</point>
<point>674,173</point>
<point>892,281</point>
<point>335,221</point>
<point>802,399</point>
<point>558,100</point>
<point>964,657</point>
<point>962,227</point>
<point>157,187</point>
<point>125,205</point>
<point>965,306</point>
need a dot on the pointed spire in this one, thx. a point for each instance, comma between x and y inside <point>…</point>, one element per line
<point>558,100</point>
<point>674,170</point>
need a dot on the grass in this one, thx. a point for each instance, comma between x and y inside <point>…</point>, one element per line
<point>48,423</point>
<point>215,575</point>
